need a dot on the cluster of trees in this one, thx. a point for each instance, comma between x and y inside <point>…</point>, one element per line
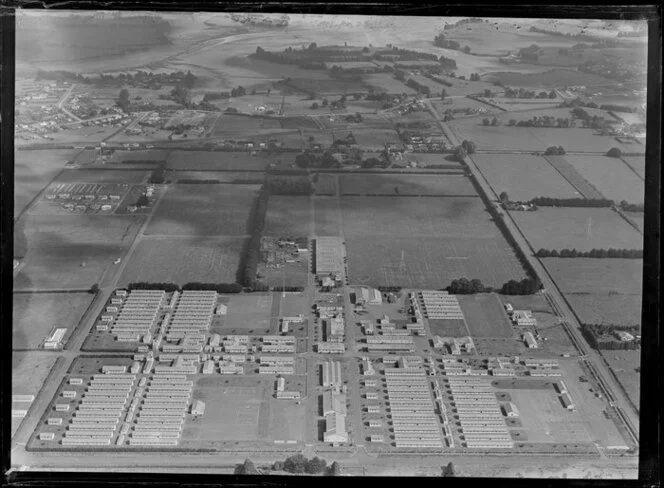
<point>435,78</point>
<point>389,289</point>
<point>198,182</point>
<point>290,186</point>
<point>298,464</point>
<point>441,41</point>
<point>631,207</point>
<point>587,120</point>
<point>554,151</point>
<point>474,77</point>
<point>158,175</point>
<point>250,257</point>
<point>140,78</point>
<point>523,93</point>
<point>617,108</point>
<point>530,53</point>
<point>572,202</point>
<point>288,288</point>
<point>600,336</point>
<point>170,287</point>
<point>593,253</point>
<point>580,37</point>
<point>448,471</point>
<point>357,118</point>
<point>239,91</point>
<point>466,148</point>
<point>463,286</point>
<point>419,87</point>
<point>577,102</point>
<point>144,285</point>
<point>614,152</point>
<point>123,100</point>
<point>544,121</point>
<point>492,122</point>
<point>526,286</point>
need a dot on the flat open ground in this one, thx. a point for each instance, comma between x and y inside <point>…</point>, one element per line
<point>215,160</point>
<point>288,216</point>
<point>425,160</point>
<point>33,170</point>
<point>150,155</point>
<point>624,364</point>
<point>550,79</point>
<point>485,315</point>
<point>611,177</point>
<point>327,216</point>
<point>594,308</point>
<point>638,163</point>
<point>203,210</point>
<point>637,218</point>
<point>374,138</point>
<point>386,82</point>
<point>221,176</point>
<point>293,304</point>
<point>398,184</point>
<point>35,314</point>
<point>448,328</point>
<point>184,259</point>
<point>577,228</point>
<point>71,251</point>
<point>326,184</point>
<point>599,276</point>
<point>430,261</point>
<point>247,312</point>
<point>523,176</point>
<point>101,176</point>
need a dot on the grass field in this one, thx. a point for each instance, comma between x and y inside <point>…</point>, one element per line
<point>326,216</point>
<point>288,216</point>
<point>203,210</point>
<point>101,176</point>
<point>238,124</point>
<point>374,138</point>
<point>611,177</point>
<point>638,163</point>
<point>326,184</point>
<point>386,82</point>
<point>485,315</point>
<point>249,312</point>
<point>596,276</point>
<point>430,261</point>
<point>425,160</point>
<point>29,371</point>
<point>216,160</point>
<point>569,172</point>
<point>637,218</point>
<point>412,216</point>
<point>448,328</point>
<point>293,304</point>
<point>580,228</point>
<point>550,79</point>
<point>523,176</point>
<point>607,309</point>
<point>33,170</point>
<point>183,259</point>
<point>624,364</point>
<point>221,176</point>
<point>35,314</point>
<point>395,184</point>
<point>148,155</point>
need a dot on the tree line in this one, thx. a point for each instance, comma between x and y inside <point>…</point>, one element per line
<point>523,93</point>
<point>464,286</point>
<point>571,202</point>
<point>194,285</point>
<point>296,464</point>
<point>593,253</point>
<point>289,185</point>
<point>250,256</point>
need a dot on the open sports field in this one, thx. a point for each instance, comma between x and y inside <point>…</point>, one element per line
<point>448,328</point>
<point>293,304</point>
<point>624,364</point>
<point>240,411</point>
<point>215,160</point>
<point>577,228</point>
<point>387,83</point>
<point>574,178</point>
<point>249,312</point>
<point>485,315</point>
<point>203,210</point>
<point>101,176</point>
<point>33,170</point>
<point>460,217</point>
<point>288,216</point>
<point>326,216</point>
<point>36,314</point>
<point>70,251</point>
<point>405,184</point>
<point>596,276</point>
<point>184,259</point>
<point>637,163</point>
<point>504,138</point>
<point>598,308</point>
<point>523,176</point>
<point>429,261</point>
<point>610,176</point>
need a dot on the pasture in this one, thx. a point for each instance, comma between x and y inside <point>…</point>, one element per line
<point>549,79</point>
<point>124,175</point>
<point>453,217</point>
<point>407,184</point>
<point>485,315</point>
<point>610,176</point>
<point>326,216</point>
<point>425,160</point>
<point>596,276</point>
<point>624,364</point>
<point>580,228</point>
<point>288,216</point>
<point>29,372</point>
<point>523,176</point>
<point>595,308</point>
<point>239,125</point>
<point>35,314</point>
<point>569,172</point>
<point>387,83</point>
<point>33,170</point>
<point>149,155</point>
<point>368,139</point>
<point>249,312</point>
<point>221,176</point>
<point>215,160</point>
<point>637,163</point>
<point>203,210</point>
<point>637,218</point>
<point>325,184</point>
<point>430,262</point>
<point>183,259</point>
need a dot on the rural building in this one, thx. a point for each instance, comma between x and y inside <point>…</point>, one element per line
<point>376,438</point>
<point>440,305</point>
<point>523,318</point>
<point>529,340</point>
<point>334,327</point>
<point>55,338</point>
<point>367,367</point>
<point>623,336</point>
<point>281,384</point>
<point>373,409</point>
<point>561,387</point>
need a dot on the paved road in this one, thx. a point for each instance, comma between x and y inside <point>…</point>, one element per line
<point>589,355</point>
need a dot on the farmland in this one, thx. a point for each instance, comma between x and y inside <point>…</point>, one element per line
<point>326,184</point>
<point>396,184</point>
<point>569,172</point>
<point>577,228</point>
<point>485,316</point>
<point>101,176</point>
<point>637,163</point>
<point>598,276</point>
<point>207,160</point>
<point>523,177</point>
<point>288,216</point>
<point>368,139</point>
<point>624,364</point>
<point>326,216</point>
<point>35,314</point>
<point>611,177</point>
<point>595,308</point>
<point>386,82</point>
<point>549,79</point>
<point>430,262</point>
<point>183,259</point>
<point>203,210</point>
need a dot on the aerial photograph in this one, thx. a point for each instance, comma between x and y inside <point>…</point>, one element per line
<point>328,245</point>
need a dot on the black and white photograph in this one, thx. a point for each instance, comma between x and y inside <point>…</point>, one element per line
<point>331,244</point>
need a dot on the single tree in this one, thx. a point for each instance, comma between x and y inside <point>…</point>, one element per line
<point>143,201</point>
<point>614,152</point>
<point>335,469</point>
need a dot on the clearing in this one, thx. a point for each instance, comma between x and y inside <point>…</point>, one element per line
<point>485,315</point>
